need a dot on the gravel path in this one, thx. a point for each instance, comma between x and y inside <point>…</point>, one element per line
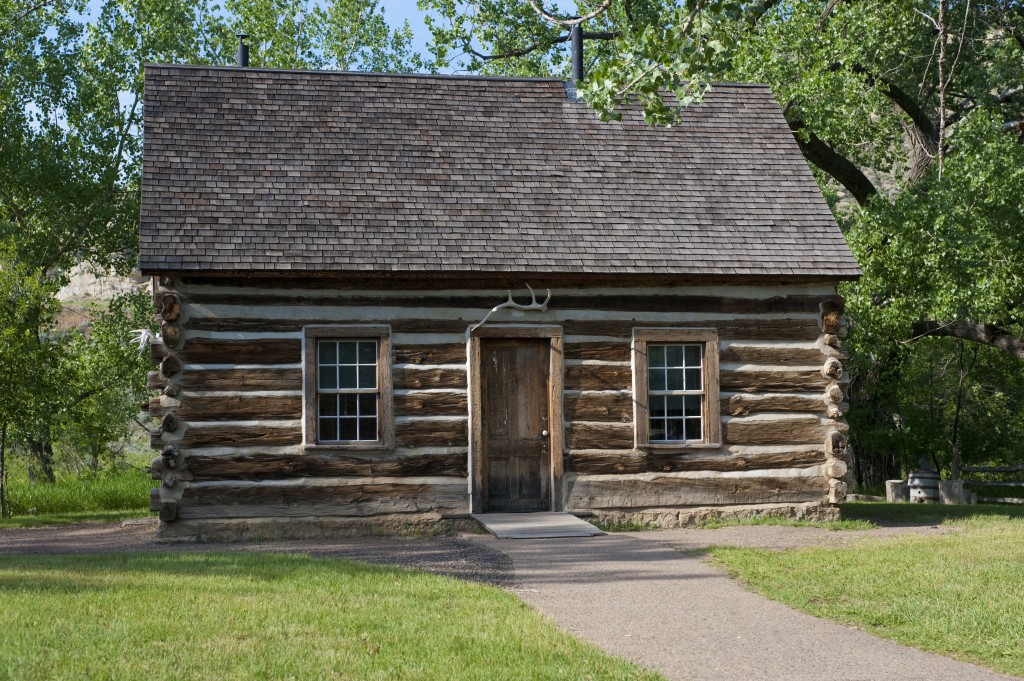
<point>639,597</point>
<point>465,559</point>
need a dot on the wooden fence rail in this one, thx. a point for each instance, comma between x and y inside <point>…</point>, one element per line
<point>996,483</point>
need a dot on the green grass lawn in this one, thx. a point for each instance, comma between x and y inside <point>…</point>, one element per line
<point>884,513</point>
<point>243,616</point>
<point>103,496</point>
<point>959,594</point>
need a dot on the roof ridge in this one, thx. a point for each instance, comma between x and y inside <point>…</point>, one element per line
<point>438,76</point>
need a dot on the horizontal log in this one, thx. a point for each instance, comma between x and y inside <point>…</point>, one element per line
<point>375,496</point>
<point>198,408</point>
<point>769,354</point>
<point>405,378</point>
<point>801,304</point>
<point>279,467</point>
<point>446,353</point>
<point>585,435</point>
<point>607,351</point>
<point>254,351</point>
<point>242,379</point>
<point>760,380</point>
<point>599,407</point>
<point>598,377</point>
<point>431,404</point>
<point>743,404</point>
<point>430,433</point>
<point>676,490</point>
<point>603,461</point>
<point>155,381</point>
<point>731,329</point>
<point>240,436</point>
<point>751,460</point>
<point>804,430</point>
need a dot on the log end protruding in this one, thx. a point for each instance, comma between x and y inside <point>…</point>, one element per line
<point>833,369</point>
<point>169,456</point>
<point>154,499</point>
<point>836,446</point>
<point>836,491</point>
<point>831,316</point>
<point>164,281</point>
<point>170,423</point>
<point>170,366</point>
<point>833,341</point>
<point>171,334</point>
<point>168,511</point>
<point>170,307</point>
<point>156,468</point>
<point>835,468</point>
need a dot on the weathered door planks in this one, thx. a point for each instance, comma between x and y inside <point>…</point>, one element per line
<point>514,402</point>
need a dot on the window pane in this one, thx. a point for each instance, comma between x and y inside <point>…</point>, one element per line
<point>693,429</point>
<point>347,429</point>
<point>328,430</point>
<point>675,379</point>
<point>328,405</point>
<point>674,355</point>
<point>367,429</point>
<point>328,378</point>
<point>328,352</point>
<point>657,405</point>
<point>693,405</point>
<point>368,352</point>
<point>347,377</point>
<point>693,379</point>
<point>657,427</point>
<point>674,405</point>
<point>655,355</point>
<point>368,376</point>
<point>656,379</point>
<point>692,355</point>
<point>368,406</point>
<point>347,352</point>
<point>348,405</point>
<point>674,429</point>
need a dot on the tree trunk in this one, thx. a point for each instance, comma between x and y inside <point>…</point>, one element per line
<point>4,503</point>
<point>42,455</point>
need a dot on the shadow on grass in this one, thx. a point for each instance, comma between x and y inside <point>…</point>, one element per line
<point>45,519</point>
<point>105,572</point>
<point>918,514</point>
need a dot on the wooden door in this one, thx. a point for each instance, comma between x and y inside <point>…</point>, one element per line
<point>514,414</point>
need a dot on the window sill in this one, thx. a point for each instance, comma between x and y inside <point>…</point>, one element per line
<point>681,447</point>
<point>366,447</point>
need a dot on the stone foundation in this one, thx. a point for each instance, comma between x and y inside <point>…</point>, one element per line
<point>272,529</point>
<point>693,516</point>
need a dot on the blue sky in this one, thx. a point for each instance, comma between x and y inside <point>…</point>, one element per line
<point>398,11</point>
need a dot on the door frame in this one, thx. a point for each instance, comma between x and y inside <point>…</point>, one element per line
<point>555,423</point>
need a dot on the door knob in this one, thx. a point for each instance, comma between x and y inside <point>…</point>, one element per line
<point>544,433</point>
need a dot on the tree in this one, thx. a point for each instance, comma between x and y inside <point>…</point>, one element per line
<point>911,112</point>
<point>71,102</point>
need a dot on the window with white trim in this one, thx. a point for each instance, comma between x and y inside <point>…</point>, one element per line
<point>348,391</point>
<point>676,382</point>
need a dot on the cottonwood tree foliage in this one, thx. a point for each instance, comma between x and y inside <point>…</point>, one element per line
<point>912,115</point>
<point>71,103</point>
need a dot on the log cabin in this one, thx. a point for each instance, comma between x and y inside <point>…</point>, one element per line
<point>390,301</point>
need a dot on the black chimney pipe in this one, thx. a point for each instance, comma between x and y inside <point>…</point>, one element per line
<point>242,56</point>
<point>576,35</point>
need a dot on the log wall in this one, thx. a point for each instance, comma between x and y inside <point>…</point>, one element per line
<point>230,404</point>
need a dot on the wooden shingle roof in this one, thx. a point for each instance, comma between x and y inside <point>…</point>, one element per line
<point>269,171</point>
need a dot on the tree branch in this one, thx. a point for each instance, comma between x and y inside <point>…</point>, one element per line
<point>523,51</point>
<point>986,334</point>
<point>818,152</point>
<point>571,21</point>
<point>899,97</point>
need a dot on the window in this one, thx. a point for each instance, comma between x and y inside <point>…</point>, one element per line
<point>676,384</point>
<point>348,386</point>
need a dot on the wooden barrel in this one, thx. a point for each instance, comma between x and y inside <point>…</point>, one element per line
<point>924,487</point>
